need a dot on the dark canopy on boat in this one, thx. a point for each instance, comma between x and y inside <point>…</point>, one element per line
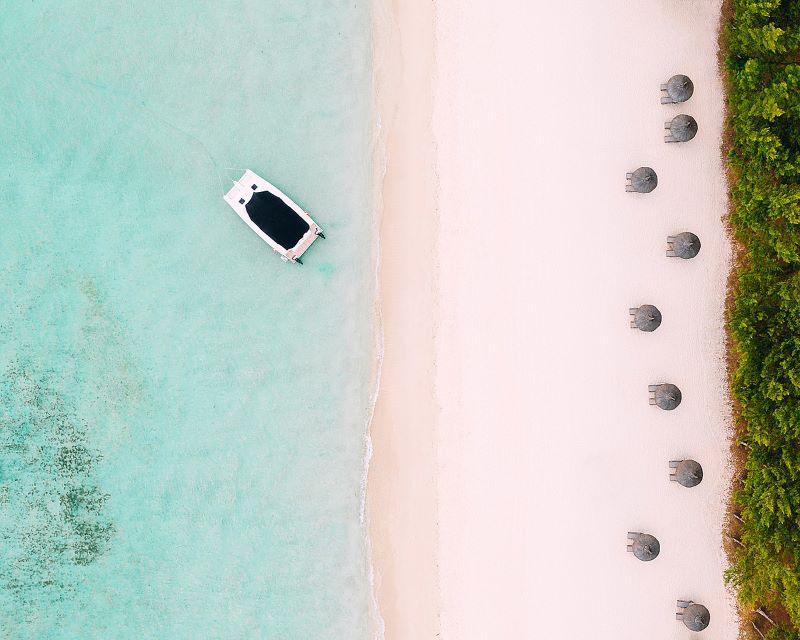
<point>696,617</point>
<point>647,318</point>
<point>276,219</point>
<point>689,473</point>
<point>644,180</point>
<point>683,128</point>
<point>646,547</point>
<point>680,88</point>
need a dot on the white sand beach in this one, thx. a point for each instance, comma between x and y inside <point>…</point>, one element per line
<point>514,446</point>
<point>401,491</point>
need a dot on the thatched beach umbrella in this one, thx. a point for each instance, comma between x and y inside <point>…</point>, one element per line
<point>678,88</point>
<point>643,180</point>
<point>645,318</point>
<point>684,245</point>
<point>695,616</point>
<point>682,128</point>
<point>665,396</point>
<point>644,546</point>
<point>687,473</point>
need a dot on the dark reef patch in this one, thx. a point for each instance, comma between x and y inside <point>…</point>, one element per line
<point>52,513</point>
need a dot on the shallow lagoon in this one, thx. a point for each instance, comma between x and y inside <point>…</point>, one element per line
<point>201,404</point>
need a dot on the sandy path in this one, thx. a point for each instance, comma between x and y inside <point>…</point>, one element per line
<point>540,451</point>
<point>549,452</point>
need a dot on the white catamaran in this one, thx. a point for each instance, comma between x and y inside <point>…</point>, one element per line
<point>273,216</point>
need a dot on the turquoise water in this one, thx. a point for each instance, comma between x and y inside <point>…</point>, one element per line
<point>182,414</point>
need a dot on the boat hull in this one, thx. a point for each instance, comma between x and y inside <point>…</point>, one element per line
<point>251,187</point>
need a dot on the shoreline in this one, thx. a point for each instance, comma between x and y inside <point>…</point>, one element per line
<point>523,465</point>
<point>401,477</point>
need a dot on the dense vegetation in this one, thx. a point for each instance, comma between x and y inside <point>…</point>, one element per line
<point>762,41</point>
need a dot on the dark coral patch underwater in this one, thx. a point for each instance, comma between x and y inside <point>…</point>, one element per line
<point>52,513</point>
